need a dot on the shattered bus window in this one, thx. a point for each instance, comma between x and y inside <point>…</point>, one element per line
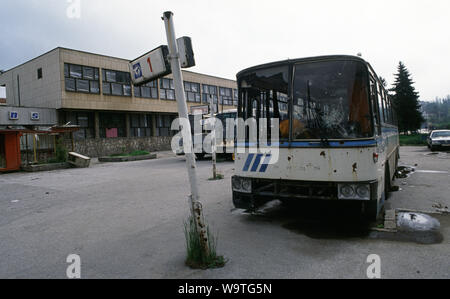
<point>331,101</point>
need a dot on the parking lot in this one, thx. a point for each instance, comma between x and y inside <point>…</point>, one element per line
<point>126,220</point>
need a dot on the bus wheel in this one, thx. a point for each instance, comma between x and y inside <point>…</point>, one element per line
<point>397,158</point>
<point>387,181</point>
<point>371,211</point>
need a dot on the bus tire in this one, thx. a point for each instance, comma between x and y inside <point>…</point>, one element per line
<point>387,181</point>
<point>371,211</point>
<point>397,158</point>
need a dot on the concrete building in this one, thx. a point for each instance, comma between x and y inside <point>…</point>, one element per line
<point>95,92</point>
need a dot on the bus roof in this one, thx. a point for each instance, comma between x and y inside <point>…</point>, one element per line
<point>301,60</point>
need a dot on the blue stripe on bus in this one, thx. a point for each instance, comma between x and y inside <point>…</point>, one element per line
<point>335,143</point>
<point>248,162</point>
<point>257,162</point>
<point>317,144</point>
<point>265,164</point>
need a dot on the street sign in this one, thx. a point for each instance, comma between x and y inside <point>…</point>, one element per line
<point>151,66</point>
<point>186,52</point>
<point>155,64</point>
<point>35,116</point>
<point>204,109</point>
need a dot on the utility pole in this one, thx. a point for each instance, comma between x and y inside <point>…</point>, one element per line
<point>196,206</point>
<point>213,138</point>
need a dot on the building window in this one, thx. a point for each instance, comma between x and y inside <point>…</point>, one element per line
<point>141,125</point>
<point>192,92</point>
<point>116,83</point>
<point>39,73</point>
<point>167,89</point>
<point>235,97</point>
<point>149,90</point>
<point>81,78</point>
<point>207,91</point>
<point>163,125</point>
<point>112,125</point>
<point>226,97</point>
<point>85,120</point>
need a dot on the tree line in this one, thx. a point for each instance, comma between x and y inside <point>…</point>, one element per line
<point>437,113</point>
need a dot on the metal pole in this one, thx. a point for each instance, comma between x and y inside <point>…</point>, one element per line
<point>34,148</point>
<point>196,206</point>
<point>213,139</point>
<point>28,149</point>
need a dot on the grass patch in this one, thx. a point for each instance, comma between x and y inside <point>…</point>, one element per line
<point>416,139</point>
<point>132,154</point>
<point>196,258</point>
<point>218,177</point>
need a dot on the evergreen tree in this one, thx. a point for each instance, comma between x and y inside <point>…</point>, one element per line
<point>406,101</point>
<point>383,81</point>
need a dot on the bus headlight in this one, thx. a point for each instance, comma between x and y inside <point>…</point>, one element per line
<point>363,191</point>
<point>241,184</point>
<point>246,185</point>
<point>237,183</point>
<point>354,191</point>
<point>346,191</point>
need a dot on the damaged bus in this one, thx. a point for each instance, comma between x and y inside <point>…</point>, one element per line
<point>338,138</point>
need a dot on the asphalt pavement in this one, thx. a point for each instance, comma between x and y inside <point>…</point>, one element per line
<point>126,220</point>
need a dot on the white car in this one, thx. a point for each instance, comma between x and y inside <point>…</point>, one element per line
<point>439,139</point>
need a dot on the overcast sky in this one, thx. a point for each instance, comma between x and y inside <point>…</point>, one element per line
<point>230,35</point>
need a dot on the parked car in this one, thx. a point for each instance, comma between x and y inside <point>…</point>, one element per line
<point>439,139</point>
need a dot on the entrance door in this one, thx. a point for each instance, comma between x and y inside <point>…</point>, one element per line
<point>10,151</point>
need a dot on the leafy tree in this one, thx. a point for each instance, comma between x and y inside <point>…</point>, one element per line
<point>406,101</point>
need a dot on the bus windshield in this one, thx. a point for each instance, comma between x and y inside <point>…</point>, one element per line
<point>331,101</point>
<point>264,95</point>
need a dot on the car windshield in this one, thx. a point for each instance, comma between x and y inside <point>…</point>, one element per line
<point>441,134</point>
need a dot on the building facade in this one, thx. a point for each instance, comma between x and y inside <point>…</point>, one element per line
<point>95,92</point>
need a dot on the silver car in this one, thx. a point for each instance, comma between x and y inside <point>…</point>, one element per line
<point>439,139</point>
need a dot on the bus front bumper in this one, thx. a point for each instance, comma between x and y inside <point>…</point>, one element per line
<point>251,193</point>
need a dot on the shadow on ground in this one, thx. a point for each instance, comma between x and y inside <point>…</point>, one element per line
<point>316,220</point>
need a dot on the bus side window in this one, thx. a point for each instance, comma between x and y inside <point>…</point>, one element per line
<point>392,110</point>
<point>388,109</point>
<point>374,99</point>
<point>381,104</point>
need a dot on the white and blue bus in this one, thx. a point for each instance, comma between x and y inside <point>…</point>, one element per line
<point>338,138</point>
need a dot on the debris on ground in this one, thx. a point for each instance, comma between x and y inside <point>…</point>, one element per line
<point>441,208</point>
<point>403,172</point>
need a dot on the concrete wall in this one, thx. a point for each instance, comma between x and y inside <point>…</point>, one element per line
<point>23,88</point>
<point>109,146</point>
